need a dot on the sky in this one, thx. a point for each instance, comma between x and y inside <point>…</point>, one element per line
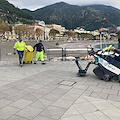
<point>35,4</point>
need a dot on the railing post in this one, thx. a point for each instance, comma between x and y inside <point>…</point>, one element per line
<point>0,54</point>
<point>62,54</point>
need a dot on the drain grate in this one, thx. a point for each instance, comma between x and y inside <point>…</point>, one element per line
<point>67,83</point>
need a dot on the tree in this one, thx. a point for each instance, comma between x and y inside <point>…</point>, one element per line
<point>39,33</point>
<point>69,34</point>
<point>22,30</point>
<point>4,28</point>
<point>53,33</point>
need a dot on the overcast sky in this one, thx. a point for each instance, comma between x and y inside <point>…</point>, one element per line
<point>35,4</point>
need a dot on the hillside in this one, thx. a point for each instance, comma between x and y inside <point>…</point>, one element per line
<point>71,16</point>
<point>10,13</point>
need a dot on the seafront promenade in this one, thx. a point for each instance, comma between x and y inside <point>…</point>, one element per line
<point>54,92</point>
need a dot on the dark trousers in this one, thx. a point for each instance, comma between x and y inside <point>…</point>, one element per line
<point>20,54</point>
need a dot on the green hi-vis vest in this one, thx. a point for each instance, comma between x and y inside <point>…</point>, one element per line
<point>20,46</point>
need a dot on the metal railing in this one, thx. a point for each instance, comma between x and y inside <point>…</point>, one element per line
<point>65,52</point>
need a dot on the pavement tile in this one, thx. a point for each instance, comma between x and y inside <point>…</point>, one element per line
<point>113,112</point>
<point>15,96</point>
<point>114,98</point>
<point>103,105</point>
<point>52,96</point>
<point>21,103</point>
<point>53,112</point>
<point>10,91</point>
<point>35,86</point>
<point>76,91</point>
<point>40,117</point>
<point>95,89</point>
<point>83,108</point>
<point>14,117</point>
<point>7,112</point>
<point>29,112</point>
<point>95,116</point>
<point>71,112</point>
<point>69,96</point>
<point>110,91</point>
<point>99,95</point>
<point>4,102</point>
<point>42,103</point>
<point>2,95</point>
<point>59,91</point>
<point>63,103</point>
<point>32,97</point>
<point>75,117</point>
<point>116,104</point>
<point>78,86</point>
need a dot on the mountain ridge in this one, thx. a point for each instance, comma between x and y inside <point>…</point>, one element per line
<point>89,17</point>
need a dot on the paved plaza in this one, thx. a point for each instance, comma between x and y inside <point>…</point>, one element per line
<point>54,92</point>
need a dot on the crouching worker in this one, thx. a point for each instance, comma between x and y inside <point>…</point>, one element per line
<point>19,46</point>
<point>39,52</point>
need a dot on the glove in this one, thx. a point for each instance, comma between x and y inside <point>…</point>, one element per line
<point>112,48</point>
<point>14,53</point>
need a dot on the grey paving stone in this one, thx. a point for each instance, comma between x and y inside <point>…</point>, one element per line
<point>42,91</point>
<point>75,117</point>
<point>115,112</point>
<point>110,91</point>
<point>29,112</point>
<point>63,103</point>
<point>32,97</point>
<point>99,95</point>
<point>10,91</point>
<point>2,95</point>
<point>42,103</point>
<point>114,98</point>
<point>104,85</point>
<point>14,117</point>
<point>78,86</point>
<point>7,112</point>
<point>15,96</point>
<point>52,96</point>
<point>59,91</point>
<point>4,102</point>
<point>83,108</point>
<point>53,112</point>
<point>76,91</point>
<point>21,103</point>
<point>95,89</point>
<point>95,116</point>
<point>103,105</point>
<point>70,96</point>
<point>87,93</point>
<point>39,117</point>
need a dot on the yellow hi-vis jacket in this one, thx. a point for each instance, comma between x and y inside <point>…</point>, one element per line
<point>20,46</point>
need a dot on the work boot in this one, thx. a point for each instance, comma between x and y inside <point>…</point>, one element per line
<point>34,62</point>
<point>43,63</point>
<point>20,65</point>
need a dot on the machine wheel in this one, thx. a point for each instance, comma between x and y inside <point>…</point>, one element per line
<point>31,62</point>
<point>106,77</point>
<point>23,62</point>
<point>119,78</point>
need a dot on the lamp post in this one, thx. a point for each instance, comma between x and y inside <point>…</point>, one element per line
<point>100,30</point>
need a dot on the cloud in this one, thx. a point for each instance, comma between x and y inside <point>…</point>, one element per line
<point>34,4</point>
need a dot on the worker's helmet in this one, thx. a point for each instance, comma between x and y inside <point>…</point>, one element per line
<point>40,40</point>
